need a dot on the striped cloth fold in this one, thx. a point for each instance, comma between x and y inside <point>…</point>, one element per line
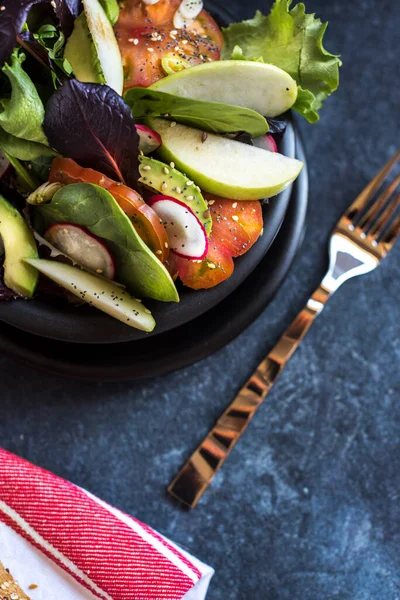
<point>73,546</point>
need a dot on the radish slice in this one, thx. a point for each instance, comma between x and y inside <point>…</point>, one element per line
<point>149,139</point>
<point>187,236</point>
<point>266,142</point>
<point>83,247</point>
<point>97,291</point>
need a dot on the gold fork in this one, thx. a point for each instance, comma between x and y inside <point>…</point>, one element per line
<point>362,238</point>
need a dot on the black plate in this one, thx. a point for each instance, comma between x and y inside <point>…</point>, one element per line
<point>56,319</point>
<point>185,345</point>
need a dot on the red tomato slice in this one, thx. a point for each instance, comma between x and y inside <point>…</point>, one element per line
<point>236,228</point>
<point>143,217</point>
<point>146,35</point>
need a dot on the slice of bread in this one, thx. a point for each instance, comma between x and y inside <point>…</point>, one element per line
<point>9,588</point>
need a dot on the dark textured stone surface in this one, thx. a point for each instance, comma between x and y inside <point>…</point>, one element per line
<point>308,505</point>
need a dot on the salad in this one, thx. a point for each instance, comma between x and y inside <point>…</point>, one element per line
<point>138,140</point>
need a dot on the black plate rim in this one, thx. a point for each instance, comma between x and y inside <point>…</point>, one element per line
<point>285,248</point>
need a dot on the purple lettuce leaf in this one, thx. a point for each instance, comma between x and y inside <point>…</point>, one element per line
<point>66,12</point>
<point>91,124</point>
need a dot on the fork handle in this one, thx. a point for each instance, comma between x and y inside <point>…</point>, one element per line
<point>198,472</point>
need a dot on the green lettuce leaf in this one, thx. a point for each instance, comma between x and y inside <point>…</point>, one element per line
<point>292,40</point>
<point>23,149</point>
<point>22,114</point>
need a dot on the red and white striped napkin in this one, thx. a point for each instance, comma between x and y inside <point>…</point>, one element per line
<point>74,546</point>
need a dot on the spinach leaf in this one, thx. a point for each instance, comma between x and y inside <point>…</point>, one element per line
<point>92,124</point>
<point>23,113</point>
<point>93,207</point>
<point>215,117</point>
<point>53,40</point>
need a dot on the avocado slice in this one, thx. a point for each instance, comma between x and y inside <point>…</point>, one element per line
<point>19,244</point>
<point>92,48</point>
<point>168,181</point>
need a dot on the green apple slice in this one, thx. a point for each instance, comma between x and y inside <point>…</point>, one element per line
<point>97,291</point>
<point>264,88</point>
<point>223,166</point>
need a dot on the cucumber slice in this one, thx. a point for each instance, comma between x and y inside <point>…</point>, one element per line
<point>105,295</point>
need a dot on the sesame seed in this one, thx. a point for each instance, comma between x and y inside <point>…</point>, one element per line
<point>184,42</point>
<point>141,152</point>
<point>235,218</point>
<point>53,4</point>
<point>158,252</point>
<point>190,198</point>
<point>172,36</point>
<point>147,168</point>
<point>211,202</point>
<point>176,48</point>
<point>99,271</point>
<point>146,310</point>
<point>166,170</point>
<point>173,124</point>
<point>174,32</point>
<point>164,186</point>
<point>166,244</point>
<point>172,165</point>
<point>150,49</point>
<point>212,266</point>
<point>234,205</point>
<point>178,190</point>
<point>189,183</point>
<point>135,41</point>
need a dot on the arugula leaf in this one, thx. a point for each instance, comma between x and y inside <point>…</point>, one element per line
<point>292,40</point>
<point>13,17</point>
<point>23,113</point>
<point>93,207</point>
<point>28,180</point>
<point>92,124</point>
<point>215,117</point>
<point>53,40</point>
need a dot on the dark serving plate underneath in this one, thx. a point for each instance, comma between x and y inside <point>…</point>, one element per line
<point>185,345</point>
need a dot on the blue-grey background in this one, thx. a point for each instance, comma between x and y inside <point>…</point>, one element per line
<point>308,505</point>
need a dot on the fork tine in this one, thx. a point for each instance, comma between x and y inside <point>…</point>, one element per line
<point>381,223</point>
<point>392,234</point>
<point>368,192</point>
<point>372,213</point>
